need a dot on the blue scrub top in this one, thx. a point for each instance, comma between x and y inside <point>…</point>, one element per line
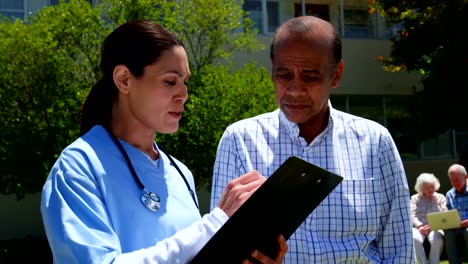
<point>91,204</point>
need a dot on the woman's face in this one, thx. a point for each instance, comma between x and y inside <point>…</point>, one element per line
<point>428,189</point>
<point>156,100</point>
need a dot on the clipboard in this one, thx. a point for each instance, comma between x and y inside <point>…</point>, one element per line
<point>279,206</point>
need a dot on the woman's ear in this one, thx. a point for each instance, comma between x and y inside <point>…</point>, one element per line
<point>121,76</point>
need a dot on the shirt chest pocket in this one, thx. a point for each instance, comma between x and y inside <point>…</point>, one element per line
<point>352,208</point>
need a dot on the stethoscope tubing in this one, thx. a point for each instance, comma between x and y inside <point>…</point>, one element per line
<point>149,199</point>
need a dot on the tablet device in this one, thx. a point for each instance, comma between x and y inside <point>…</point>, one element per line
<point>444,220</point>
<point>279,206</point>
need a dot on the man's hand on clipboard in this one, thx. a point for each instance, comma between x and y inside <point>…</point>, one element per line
<point>258,257</point>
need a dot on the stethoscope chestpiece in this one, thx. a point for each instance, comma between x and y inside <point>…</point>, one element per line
<point>151,201</point>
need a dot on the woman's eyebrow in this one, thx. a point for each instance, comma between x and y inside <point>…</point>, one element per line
<point>180,74</point>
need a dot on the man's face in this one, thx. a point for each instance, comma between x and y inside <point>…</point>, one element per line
<point>303,76</point>
<point>458,181</point>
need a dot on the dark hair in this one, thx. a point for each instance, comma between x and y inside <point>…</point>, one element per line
<point>304,26</point>
<point>135,44</point>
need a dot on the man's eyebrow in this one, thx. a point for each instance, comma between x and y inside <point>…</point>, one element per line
<point>281,68</point>
<point>307,71</point>
<point>310,71</point>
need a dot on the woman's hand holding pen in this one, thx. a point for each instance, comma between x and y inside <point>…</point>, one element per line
<point>239,190</point>
<point>235,194</point>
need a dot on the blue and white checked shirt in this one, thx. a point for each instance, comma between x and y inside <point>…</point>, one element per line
<point>458,201</point>
<point>366,219</point>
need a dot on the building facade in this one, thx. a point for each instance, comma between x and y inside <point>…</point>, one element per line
<point>12,9</point>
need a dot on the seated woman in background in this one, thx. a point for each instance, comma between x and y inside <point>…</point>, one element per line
<point>427,200</point>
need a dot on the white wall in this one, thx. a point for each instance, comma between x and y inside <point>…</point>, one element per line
<point>363,73</point>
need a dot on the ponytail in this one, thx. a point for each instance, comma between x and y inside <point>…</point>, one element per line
<point>97,108</point>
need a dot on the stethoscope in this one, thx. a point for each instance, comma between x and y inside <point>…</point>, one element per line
<point>150,200</point>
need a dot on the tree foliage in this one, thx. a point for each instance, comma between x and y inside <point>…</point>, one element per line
<point>49,62</point>
<point>432,41</point>
<point>212,30</point>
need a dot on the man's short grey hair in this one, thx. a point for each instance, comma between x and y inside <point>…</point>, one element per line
<point>459,169</point>
<point>426,178</point>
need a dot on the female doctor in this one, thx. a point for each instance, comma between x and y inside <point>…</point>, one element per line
<point>113,195</point>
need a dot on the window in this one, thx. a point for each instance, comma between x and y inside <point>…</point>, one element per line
<point>367,106</point>
<point>56,2</point>
<point>397,121</point>
<point>273,16</point>
<point>439,146</point>
<point>339,102</point>
<point>321,11</point>
<point>12,8</point>
<point>12,4</point>
<point>254,7</point>
<point>462,147</point>
<point>391,112</point>
<point>357,23</point>
<point>461,142</point>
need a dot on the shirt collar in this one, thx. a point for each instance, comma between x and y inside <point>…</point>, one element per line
<point>292,129</point>
<point>455,192</point>
<point>465,192</point>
